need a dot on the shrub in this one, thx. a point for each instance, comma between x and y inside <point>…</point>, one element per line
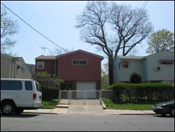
<point>119,89</point>
<point>143,91</point>
<point>49,94</point>
<point>135,78</point>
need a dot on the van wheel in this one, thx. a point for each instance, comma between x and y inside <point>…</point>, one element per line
<point>18,111</point>
<point>8,108</point>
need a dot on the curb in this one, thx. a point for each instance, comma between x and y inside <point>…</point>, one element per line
<point>138,114</point>
<point>102,104</point>
<point>38,113</point>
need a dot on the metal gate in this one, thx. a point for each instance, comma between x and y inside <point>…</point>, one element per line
<point>86,94</point>
<point>80,94</point>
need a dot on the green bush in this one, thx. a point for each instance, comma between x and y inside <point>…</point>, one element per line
<point>143,91</point>
<point>135,78</point>
<point>49,94</point>
<point>119,89</point>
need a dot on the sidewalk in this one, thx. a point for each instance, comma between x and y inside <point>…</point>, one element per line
<point>106,111</point>
<point>129,112</point>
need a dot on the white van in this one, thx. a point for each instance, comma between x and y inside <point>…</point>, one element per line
<point>19,94</point>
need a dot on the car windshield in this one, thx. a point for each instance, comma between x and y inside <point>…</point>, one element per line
<point>38,87</point>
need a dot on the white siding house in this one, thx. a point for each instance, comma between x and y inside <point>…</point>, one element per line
<point>14,67</point>
<point>153,68</point>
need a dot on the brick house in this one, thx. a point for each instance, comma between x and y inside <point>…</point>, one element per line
<point>81,70</point>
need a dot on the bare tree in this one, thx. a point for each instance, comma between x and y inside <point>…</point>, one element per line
<point>9,27</point>
<point>113,28</point>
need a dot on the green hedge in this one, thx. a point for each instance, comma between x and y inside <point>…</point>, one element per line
<point>143,91</point>
<point>49,94</point>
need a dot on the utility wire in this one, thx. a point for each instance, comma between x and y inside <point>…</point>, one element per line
<point>142,8</point>
<point>33,28</point>
<point>144,5</point>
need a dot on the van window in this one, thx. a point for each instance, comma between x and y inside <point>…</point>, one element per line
<point>11,85</point>
<point>38,87</point>
<point>28,85</point>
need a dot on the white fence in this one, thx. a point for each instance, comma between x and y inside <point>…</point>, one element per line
<point>86,94</point>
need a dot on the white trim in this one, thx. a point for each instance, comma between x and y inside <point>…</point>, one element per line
<point>39,62</point>
<point>17,79</point>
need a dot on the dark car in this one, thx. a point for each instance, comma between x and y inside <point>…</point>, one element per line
<point>164,108</point>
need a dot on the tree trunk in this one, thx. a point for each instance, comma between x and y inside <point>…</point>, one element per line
<point>110,69</point>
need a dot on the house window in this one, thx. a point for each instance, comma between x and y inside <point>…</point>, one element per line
<point>125,64</point>
<point>40,65</point>
<point>79,62</point>
<point>22,69</point>
<point>166,61</point>
<point>18,67</point>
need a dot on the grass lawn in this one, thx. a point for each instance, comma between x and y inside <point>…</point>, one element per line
<point>129,106</point>
<point>50,104</point>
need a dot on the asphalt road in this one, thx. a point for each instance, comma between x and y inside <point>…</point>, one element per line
<point>52,122</point>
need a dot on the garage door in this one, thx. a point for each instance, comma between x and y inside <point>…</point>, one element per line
<point>86,89</point>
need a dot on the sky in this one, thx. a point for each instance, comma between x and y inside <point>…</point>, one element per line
<point>57,20</point>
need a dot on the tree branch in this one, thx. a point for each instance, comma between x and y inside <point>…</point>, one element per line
<point>99,44</point>
<point>133,45</point>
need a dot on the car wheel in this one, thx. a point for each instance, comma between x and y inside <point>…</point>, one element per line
<point>18,111</point>
<point>8,108</point>
<point>172,112</point>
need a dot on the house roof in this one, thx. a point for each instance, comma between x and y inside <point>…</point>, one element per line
<point>6,55</point>
<point>54,57</point>
<point>131,57</point>
<point>143,57</point>
<point>42,57</point>
<point>80,51</point>
<point>160,53</point>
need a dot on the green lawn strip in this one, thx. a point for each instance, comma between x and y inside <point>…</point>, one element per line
<point>50,104</point>
<point>129,106</point>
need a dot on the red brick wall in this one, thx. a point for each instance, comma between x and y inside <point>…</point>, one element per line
<point>49,66</point>
<point>89,72</point>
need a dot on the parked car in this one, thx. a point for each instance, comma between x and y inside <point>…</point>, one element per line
<point>19,94</point>
<point>164,108</point>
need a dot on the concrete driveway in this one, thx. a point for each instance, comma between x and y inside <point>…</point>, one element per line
<point>85,107</point>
